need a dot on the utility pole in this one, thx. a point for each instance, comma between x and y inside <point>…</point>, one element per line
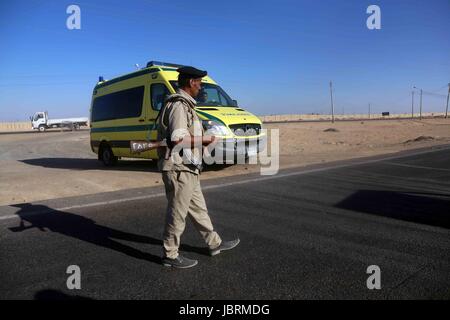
<point>332,105</point>
<point>369,110</point>
<point>448,94</point>
<point>421,104</point>
<point>412,105</point>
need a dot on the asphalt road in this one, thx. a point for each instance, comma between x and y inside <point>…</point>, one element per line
<point>306,233</point>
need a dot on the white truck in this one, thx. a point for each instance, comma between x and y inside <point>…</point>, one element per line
<point>41,122</point>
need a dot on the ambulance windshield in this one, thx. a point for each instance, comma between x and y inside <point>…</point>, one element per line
<point>211,95</point>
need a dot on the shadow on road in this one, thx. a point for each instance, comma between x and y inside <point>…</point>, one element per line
<point>85,229</point>
<point>94,164</point>
<point>426,208</point>
<point>51,294</point>
<point>91,164</point>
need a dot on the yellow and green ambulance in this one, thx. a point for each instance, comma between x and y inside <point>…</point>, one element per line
<point>126,108</point>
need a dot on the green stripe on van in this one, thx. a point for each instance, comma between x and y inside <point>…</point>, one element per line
<point>147,127</point>
<point>144,127</point>
<point>210,117</point>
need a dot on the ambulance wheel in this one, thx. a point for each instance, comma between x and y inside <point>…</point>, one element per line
<point>107,156</point>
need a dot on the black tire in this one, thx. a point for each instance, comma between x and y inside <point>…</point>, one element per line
<point>107,156</point>
<point>41,128</point>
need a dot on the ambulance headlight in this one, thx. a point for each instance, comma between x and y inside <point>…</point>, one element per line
<point>215,128</point>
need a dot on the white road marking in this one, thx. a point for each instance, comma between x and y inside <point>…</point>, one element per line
<point>217,186</point>
<point>414,166</point>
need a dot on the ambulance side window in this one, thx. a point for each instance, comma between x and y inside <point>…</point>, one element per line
<point>223,100</point>
<point>158,93</point>
<point>118,105</point>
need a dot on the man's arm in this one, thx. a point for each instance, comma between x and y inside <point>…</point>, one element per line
<point>179,131</point>
<point>192,141</point>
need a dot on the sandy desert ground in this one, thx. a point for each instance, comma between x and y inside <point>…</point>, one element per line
<point>39,166</point>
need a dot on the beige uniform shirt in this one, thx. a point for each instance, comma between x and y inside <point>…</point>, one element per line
<point>177,118</point>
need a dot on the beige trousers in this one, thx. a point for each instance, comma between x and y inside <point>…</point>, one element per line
<point>184,196</point>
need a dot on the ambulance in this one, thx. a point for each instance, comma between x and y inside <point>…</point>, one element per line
<point>126,108</point>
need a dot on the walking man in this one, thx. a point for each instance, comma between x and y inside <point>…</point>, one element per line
<point>179,124</point>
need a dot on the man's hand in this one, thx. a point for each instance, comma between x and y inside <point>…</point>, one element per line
<point>207,140</point>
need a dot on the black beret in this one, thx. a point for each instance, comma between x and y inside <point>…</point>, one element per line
<point>192,72</point>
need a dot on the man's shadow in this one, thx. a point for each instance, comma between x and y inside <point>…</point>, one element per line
<point>85,229</point>
<point>50,294</point>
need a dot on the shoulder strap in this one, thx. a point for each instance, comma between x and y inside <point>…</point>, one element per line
<point>171,100</point>
<point>161,115</point>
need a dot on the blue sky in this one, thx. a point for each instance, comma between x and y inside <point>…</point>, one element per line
<point>274,57</point>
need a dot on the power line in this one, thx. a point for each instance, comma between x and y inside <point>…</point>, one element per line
<point>434,94</point>
<point>439,89</point>
<point>42,84</point>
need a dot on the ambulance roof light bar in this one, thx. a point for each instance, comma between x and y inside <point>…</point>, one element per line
<point>163,64</point>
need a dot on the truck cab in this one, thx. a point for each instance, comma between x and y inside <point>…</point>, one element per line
<point>39,121</point>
